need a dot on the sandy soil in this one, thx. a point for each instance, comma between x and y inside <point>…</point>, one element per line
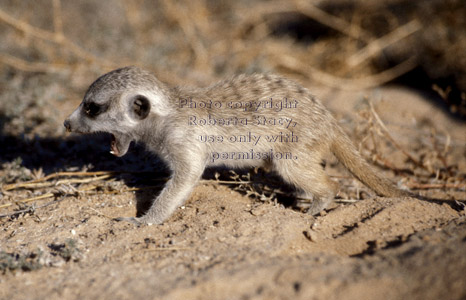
<point>229,240</point>
<point>224,245</point>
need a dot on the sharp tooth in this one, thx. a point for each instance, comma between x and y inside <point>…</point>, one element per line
<point>112,152</point>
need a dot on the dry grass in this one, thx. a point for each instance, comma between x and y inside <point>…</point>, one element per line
<point>198,41</point>
<point>433,170</point>
<point>241,38</point>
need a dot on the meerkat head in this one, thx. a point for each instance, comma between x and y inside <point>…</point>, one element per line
<point>119,102</point>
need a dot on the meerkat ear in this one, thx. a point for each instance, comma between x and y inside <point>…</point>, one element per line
<point>140,107</point>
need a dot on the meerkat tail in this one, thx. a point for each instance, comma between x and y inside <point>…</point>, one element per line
<point>347,154</point>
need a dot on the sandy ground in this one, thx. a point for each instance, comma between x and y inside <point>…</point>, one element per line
<point>224,245</point>
<point>230,240</point>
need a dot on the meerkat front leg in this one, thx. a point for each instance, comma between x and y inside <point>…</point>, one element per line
<point>186,174</point>
<point>133,105</point>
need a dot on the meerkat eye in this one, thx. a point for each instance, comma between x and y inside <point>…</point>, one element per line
<point>93,109</point>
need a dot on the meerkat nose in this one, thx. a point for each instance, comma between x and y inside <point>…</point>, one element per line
<point>67,125</point>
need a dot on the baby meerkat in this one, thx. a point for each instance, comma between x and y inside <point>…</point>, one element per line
<point>248,120</point>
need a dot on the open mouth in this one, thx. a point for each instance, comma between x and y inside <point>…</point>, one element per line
<point>119,144</point>
<point>113,147</point>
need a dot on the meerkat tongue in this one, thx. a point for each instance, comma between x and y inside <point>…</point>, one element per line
<point>113,146</point>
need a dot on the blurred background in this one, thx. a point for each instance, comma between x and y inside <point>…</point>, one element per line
<point>392,72</point>
<point>51,50</point>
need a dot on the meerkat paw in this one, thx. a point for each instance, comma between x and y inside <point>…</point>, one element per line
<point>314,210</point>
<point>318,205</point>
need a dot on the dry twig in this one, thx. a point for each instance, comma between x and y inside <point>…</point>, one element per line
<point>56,37</point>
<point>376,46</point>
<point>392,140</point>
<point>338,24</point>
<point>101,213</point>
<point>353,84</point>
<point>189,28</point>
<point>40,183</point>
<point>44,196</point>
<point>35,183</point>
<point>31,208</point>
<point>166,249</point>
<point>27,66</point>
<point>428,186</point>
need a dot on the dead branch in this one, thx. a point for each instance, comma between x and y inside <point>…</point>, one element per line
<point>293,63</point>
<point>87,180</point>
<point>57,19</point>
<point>166,249</point>
<point>27,66</point>
<point>102,175</point>
<point>376,46</point>
<point>44,196</point>
<point>338,24</point>
<point>178,13</point>
<point>31,208</point>
<point>392,140</point>
<point>56,37</point>
<point>427,186</point>
<point>101,213</point>
<point>26,28</point>
<point>255,16</point>
<point>54,175</point>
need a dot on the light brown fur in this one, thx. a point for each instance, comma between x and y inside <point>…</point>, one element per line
<point>170,122</point>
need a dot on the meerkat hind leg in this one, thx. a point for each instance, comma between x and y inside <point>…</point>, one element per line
<point>311,181</point>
